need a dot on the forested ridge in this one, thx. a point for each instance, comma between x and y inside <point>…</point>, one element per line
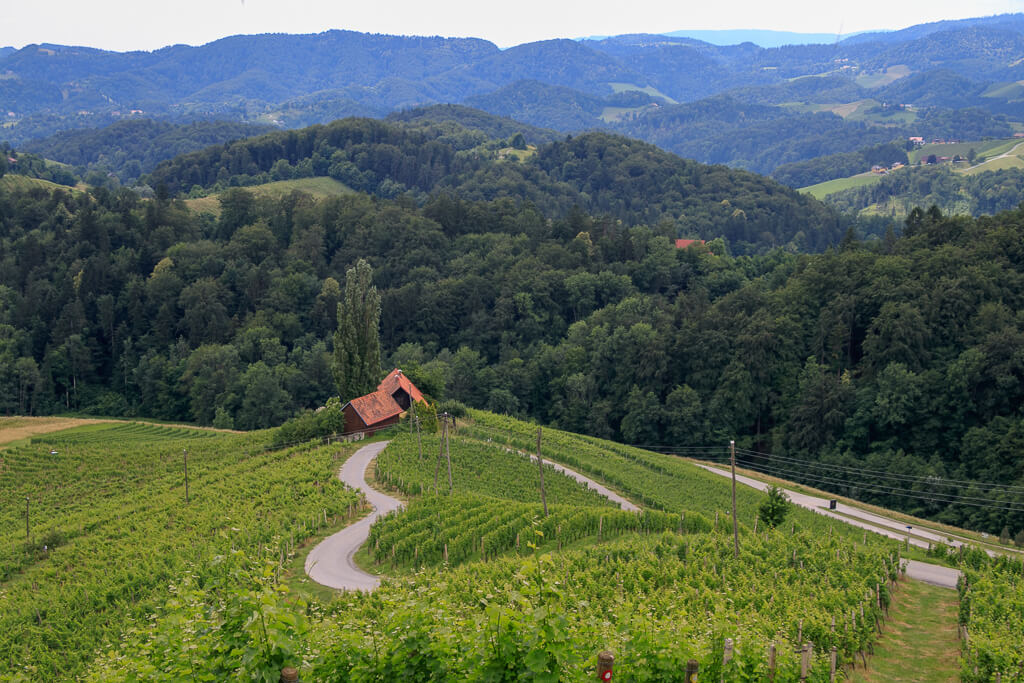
<point>601,174</point>
<point>903,355</point>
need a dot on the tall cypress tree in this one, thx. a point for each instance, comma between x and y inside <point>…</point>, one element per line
<point>356,364</point>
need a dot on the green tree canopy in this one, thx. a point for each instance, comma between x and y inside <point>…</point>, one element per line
<point>357,339</point>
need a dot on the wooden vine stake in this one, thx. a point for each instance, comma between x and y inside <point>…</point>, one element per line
<point>726,656</point>
<point>771,663</point>
<point>805,661</point>
<point>832,672</point>
<point>691,671</point>
<point>605,661</point>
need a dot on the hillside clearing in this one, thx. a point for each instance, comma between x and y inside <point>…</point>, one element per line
<point>822,190</point>
<point>319,186</point>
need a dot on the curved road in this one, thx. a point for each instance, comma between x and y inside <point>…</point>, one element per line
<point>590,484</point>
<point>330,563</point>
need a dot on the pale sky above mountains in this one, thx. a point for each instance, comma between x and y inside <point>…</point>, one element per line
<point>147,25</point>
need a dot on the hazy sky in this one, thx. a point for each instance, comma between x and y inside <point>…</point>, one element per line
<point>147,25</point>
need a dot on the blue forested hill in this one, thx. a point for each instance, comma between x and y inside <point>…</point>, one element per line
<point>625,82</point>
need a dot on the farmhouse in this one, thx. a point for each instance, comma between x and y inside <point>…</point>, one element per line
<point>383,407</point>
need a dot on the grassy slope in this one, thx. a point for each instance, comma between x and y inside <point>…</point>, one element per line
<point>320,186</point>
<point>822,190</point>
<point>919,642</point>
<point>12,181</point>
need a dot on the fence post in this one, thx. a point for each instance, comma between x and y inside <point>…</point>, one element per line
<point>605,660</point>
<point>726,656</point>
<point>289,675</point>
<point>691,671</point>
<point>805,661</point>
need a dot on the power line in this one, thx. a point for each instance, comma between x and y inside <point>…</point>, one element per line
<point>929,479</point>
<point>881,489</point>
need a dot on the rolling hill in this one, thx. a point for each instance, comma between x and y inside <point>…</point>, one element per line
<point>567,85</point>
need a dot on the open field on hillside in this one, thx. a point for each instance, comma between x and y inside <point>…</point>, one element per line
<point>878,79</point>
<point>983,149</point>
<point>320,186</point>
<point>822,190</point>
<point>18,428</point>
<point>650,90</point>
<point>13,181</point>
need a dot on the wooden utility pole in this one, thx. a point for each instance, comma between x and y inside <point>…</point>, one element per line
<point>184,453</point>
<point>540,463</point>
<point>735,522</point>
<point>448,452</point>
<point>419,439</point>
<point>440,454</point>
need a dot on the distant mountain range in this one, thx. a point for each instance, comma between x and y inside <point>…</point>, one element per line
<point>761,38</point>
<point>741,104</point>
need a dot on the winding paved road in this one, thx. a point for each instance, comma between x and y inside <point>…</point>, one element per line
<point>330,563</point>
<point>591,484</point>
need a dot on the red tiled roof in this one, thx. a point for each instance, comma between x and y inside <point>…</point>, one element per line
<point>683,244</point>
<point>375,407</point>
<point>395,380</point>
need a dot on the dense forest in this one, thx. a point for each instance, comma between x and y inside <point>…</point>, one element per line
<point>534,288</point>
<point>132,147</point>
<point>597,173</point>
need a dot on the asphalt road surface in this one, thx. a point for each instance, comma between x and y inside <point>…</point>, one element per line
<point>330,563</point>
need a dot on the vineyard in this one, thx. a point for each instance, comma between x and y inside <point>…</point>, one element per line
<point>122,581</point>
<point>109,529</point>
<point>992,621</point>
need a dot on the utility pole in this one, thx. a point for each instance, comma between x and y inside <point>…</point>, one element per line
<point>735,522</point>
<point>419,439</point>
<point>184,454</point>
<point>448,452</point>
<point>440,454</point>
<point>540,464</point>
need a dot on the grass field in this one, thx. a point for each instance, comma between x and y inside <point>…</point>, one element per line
<point>1014,90</point>
<point>612,114</point>
<point>996,165</point>
<point>650,90</point>
<point>877,80</point>
<point>919,640</point>
<point>822,190</point>
<point>320,186</point>
<point>12,181</point>
<point>983,149</point>
<point>15,429</point>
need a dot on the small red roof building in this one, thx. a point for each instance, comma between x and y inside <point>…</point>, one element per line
<point>383,407</point>
<point>685,244</point>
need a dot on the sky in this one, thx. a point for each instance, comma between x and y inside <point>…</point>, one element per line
<point>147,25</point>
